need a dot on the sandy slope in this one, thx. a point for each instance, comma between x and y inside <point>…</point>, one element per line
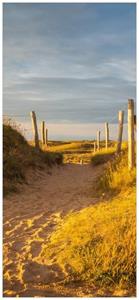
<point>30,216</point>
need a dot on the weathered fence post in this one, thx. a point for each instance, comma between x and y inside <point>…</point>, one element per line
<point>106,135</point>
<point>94,147</point>
<point>120,130</point>
<point>43,132</point>
<point>46,136</point>
<point>34,128</point>
<point>131,150</point>
<point>135,122</point>
<point>98,140</point>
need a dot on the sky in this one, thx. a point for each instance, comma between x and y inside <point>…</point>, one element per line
<point>74,64</point>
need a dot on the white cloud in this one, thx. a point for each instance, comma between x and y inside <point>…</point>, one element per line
<point>68,61</point>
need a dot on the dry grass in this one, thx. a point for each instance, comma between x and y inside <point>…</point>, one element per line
<point>98,244</point>
<point>103,156</point>
<point>70,147</point>
<point>117,176</point>
<point>78,152</point>
<point>18,156</point>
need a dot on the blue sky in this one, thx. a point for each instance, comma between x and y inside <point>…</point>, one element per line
<point>71,63</point>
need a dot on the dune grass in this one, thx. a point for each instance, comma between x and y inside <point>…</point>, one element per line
<point>76,146</point>
<point>102,156</point>
<point>70,147</point>
<point>18,156</point>
<point>105,155</point>
<point>117,177</point>
<point>78,152</point>
<point>98,243</point>
<point>75,152</point>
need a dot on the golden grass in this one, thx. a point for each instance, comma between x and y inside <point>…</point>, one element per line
<point>77,146</point>
<point>98,244</point>
<point>102,156</point>
<point>77,158</point>
<point>79,152</point>
<point>76,152</point>
<point>117,176</point>
<point>73,146</point>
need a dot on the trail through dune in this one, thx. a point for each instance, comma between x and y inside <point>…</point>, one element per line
<point>30,216</point>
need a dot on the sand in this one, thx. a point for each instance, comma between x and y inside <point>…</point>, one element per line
<point>30,216</point>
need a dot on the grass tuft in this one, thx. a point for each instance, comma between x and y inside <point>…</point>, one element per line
<point>117,176</point>
<point>103,156</point>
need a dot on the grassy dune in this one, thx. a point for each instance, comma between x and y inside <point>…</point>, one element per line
<point>18,156</point>
<point>74,151</point>
<point>76,146</point>
<point>103,156</point>
<point>97,244</point>
<point>79,151</point>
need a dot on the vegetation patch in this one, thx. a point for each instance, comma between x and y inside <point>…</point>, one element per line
<point>103,156</point>
<point>18,155</point>
<point>98,244</point>
<point>117,177</point>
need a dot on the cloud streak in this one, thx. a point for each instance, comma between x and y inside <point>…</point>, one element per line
<point>76,62</point>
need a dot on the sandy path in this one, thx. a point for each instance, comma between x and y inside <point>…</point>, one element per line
<point>30,216</point>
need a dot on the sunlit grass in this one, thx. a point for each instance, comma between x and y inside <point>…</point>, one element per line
<point>98,244</point>
<point>77,158</point>
<point>102,156</point>
<point>73,146</point>
<point>80,152</point>
<point>117,176</point>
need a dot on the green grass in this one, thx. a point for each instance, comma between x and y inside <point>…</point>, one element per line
<point>18,156</point>
<point>98,244</point>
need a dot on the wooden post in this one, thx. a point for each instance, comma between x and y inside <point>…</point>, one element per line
<point>46,136</point>
<point>120,132</point>
<point>34,128</point>
<point>106,135</point>
<point>43,132</point>
<point>131,153</point>
<point>98,140</point>
<point>94,147</point>
<point>135,122</point>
